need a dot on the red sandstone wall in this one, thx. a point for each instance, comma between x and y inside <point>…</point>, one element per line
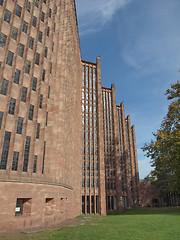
<point>61,180</point>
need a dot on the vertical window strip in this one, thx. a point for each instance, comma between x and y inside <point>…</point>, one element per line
<point>43,157</point>
<point>35,164</point>
<point>26,153</point>
<point>5,150</point>
<point>1,118</point>
<point>15,161</point>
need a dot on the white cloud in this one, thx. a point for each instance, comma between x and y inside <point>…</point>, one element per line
<point>94,14</point>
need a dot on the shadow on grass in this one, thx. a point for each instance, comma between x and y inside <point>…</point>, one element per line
<point>147,211</point>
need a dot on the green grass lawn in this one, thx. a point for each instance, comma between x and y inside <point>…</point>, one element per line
<point>135,224</point>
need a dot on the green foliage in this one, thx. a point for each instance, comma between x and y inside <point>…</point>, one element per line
<point>165,150</point>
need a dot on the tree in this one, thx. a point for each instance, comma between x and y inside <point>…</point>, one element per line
<point>164,151</point>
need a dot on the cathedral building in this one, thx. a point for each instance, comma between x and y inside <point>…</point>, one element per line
<point>65,146</point>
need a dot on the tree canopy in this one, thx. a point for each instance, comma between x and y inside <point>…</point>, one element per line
<point>164,151</point>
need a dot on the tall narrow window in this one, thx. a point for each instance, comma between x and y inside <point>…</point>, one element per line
<point>15,161</point>
<point>26,154</point>
<point>7,16</point>
<point>25,27</point>
<point>42,16</point>
<point>12,105</point>
<point>5,150</point>
<point>45,52</point>
<point>34,21</point>
<point>50,12</point>
<point>40,34</point>
<point>19,125</point>
<point>31,42</point>
<point>48,91</point>
<point>43,74</point>
<point>16,76</point>
<point>34,84</point>
<point>43,157</point>
<point>37,58</point>
<point>31,111</point>
<point>24,94</point>
<point>9,59</point>
<point>1,2</point>
<point>18,10</point>
<point>3,38</point>
<point>37,3</point>
<point>1,117</point>
<point>46,118</point>
<point>48,31</point>
<point>35,164</point>
<point>21,50</point>
<point>28,67</point>
<point>28,6</point>
<point>38,130</point>
<point>14,33</point>
<point>40,101</point>
<point>4,87</point>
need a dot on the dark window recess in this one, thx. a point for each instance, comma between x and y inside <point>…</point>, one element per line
<point>27,67</point>
<point>44,1</point>
<point>24,94</point>
<point>88,205</point>
<point>9,59</point>
<point>31,111</point>
<point>1,118</point>
<point>4,87</point>
<point>31,42</point>
<point>43,74</point>
<point>18,10</point>
<point>35,164</point>
<point>40,34</point>
<point>7,16</point>
<point>19,125</point>
<point>37,3</point>
<point>14,33</point>
<point>42,16</point>
<point>17,76</point>
<point>34,84</point>
<point>3,38</point>
<point>50,67</point>
<point>50,11</point>
<point>55,9</point>
<point>44,150</point>
<point>15,161</point>
<point>38,130</point>
<point>23,206</point>
<point>46,118</point>
<point>45,52</point>
<point>48,31</point>
<point>40,101</point>
<point>0,64</point>
<point>1,2</point>
<point>26,153</point>
<point>34,21</point>
<point>28,6</point>
<point>48,91</point>
<point>21,50</point>
<point>12,105</point>
<point>52,46</point>
<point>25,27</point>
<point>5,150</point>
<point>54,27</point>
<point>83,204</point>
<point>37,58</point>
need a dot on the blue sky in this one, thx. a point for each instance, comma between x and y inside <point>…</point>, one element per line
<point>138,41</point>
